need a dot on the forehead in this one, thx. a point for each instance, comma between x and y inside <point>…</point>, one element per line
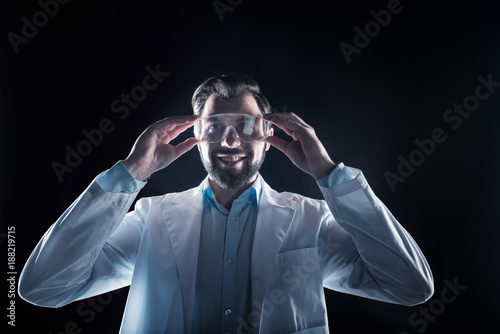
<point>244,104</point>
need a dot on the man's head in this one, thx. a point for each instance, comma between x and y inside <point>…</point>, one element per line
<point>232,162</point>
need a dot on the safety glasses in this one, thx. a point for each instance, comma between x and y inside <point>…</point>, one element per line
<point>215,128</point>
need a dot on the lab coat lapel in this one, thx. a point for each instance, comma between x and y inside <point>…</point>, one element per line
<point>273,221</point>
<point>182,214</point>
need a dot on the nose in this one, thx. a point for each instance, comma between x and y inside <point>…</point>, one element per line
<point>231,139</point>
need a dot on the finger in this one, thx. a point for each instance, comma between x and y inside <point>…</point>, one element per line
<point>284,117</point>
<point>287,122</point>
<point>170,127</point>
<point>180,128</point>
<point>292,127</point>
<point>181,120</point>
<point>279,122</point>
<point>298,120</point>
<point>279,143</point>
<point>185,146</point>
<point>172,122</point>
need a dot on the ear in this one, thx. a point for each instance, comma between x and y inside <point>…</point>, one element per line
<point>271,133</point>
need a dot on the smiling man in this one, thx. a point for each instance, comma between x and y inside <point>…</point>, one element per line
<point>231,255</point>
<point>232,162</point>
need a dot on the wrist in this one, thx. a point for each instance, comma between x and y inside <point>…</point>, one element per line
<point>324,170</point>
<point>136,170</point>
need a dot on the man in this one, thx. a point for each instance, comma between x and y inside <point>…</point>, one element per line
<point>232,255</point>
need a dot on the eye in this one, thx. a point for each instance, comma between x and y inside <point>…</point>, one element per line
<point>214,127</point>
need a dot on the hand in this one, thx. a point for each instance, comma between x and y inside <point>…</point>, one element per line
<point>152,151</point>
<point>305,151</point>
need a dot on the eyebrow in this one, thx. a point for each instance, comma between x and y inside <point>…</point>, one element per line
<point>215,118</point>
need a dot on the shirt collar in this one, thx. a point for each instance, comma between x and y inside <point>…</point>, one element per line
<point>252,193</point>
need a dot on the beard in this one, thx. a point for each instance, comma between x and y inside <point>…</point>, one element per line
<point>229,177</point>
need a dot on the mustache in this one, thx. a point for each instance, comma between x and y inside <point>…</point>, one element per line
<point>231,151</point>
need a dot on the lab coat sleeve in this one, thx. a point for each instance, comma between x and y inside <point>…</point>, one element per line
<point>89,250</point>
<point>364,251</point>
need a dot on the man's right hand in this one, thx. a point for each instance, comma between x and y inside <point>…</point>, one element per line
<point>152,151</point>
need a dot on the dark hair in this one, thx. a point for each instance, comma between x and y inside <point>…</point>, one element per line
<point>227,87</point>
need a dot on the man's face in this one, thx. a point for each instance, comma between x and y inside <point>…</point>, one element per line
<point>232,163</point>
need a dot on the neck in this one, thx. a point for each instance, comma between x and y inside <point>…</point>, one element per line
<point>225,196</point>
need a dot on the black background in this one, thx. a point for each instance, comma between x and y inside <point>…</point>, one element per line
<point>367,113</point>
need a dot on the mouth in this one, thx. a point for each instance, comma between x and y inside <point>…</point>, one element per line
<point>230,160</point>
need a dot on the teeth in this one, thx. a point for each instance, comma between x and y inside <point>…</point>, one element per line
<point>231,159</point>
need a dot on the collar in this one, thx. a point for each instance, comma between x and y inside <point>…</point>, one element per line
<point>248,196</point>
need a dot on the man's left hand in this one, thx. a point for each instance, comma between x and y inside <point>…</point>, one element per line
<point>306,151</point>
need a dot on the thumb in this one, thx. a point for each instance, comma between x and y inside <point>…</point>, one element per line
<point>185,146</point>
<point>279,143</point>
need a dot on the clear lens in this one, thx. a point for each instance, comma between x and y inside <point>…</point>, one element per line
<point>215,128</point>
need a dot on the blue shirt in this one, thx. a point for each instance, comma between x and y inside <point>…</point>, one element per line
<point>223,282</point>
<point>223,279</point>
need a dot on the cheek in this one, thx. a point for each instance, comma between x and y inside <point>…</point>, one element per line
<point>258,151</point>
<point>204,151</point>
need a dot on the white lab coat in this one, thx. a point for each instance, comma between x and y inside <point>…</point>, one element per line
<point>349,243</point>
